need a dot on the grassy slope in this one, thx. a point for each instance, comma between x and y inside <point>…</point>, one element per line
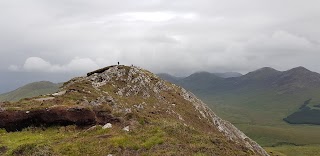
<point>258,109</point>
<point>30,90</point>
<point>259,114</point>
<point>151,139</point>
<point>153,131</point>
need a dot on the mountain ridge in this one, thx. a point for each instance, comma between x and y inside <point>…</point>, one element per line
<point>288,81</point>
<point>30,90</point>
<point>261,103</point>
<point>136,101</point>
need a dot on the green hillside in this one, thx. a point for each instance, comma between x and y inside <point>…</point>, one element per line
<point>119,110</point>
<point>30,90</point>
<point>258,102</point>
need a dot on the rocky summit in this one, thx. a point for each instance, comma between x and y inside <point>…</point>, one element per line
<point>119,110</point>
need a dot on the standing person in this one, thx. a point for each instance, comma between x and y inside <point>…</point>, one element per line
<point>118,63</point>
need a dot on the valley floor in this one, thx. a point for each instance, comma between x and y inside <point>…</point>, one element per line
<point>286,140</point>
<point>290,150</point>
<point>263,122</point>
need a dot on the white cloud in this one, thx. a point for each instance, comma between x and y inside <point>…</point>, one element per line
<point>81,64</point>
<point>161,35</point>
<point>37,64</point>
<point>13,68</point>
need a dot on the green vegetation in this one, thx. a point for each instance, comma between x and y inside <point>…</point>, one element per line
<point>161,120</point>
<point>259,114</point>
<point>30,90</point>
<point>33,150</point>
<point>257,103</point>
<point>287,150</point>
<point>163,138</point>
<point>305,115</point>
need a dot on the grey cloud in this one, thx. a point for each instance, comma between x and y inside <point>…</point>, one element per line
<point>178,37</point>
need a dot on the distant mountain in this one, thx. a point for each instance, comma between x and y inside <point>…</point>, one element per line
<point>265,73</point>
<point>228,74</point>
<point>261,99</point>
<point>198,80</point>
<point>292,81</point>
<point>10,81</point>
<point>30,90</point>
<point>299,78</point>
<point>169,77</point>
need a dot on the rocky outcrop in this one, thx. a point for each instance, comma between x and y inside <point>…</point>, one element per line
<point>139,82</point>
<point>16,120</point>
<point>99,70</point>
<point>138,98</point>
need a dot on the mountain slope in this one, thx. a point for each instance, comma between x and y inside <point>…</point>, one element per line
<point>228,74</point>
<point>291,81</point>
<point>30,90</point>
<point>258,102</point>
<point>144,115</point>
<point>200,80</point>
<point>262,74</point>
<point>169,77</point>
<point>298,78</point>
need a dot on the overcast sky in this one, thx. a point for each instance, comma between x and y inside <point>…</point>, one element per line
<point>72,37</point>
